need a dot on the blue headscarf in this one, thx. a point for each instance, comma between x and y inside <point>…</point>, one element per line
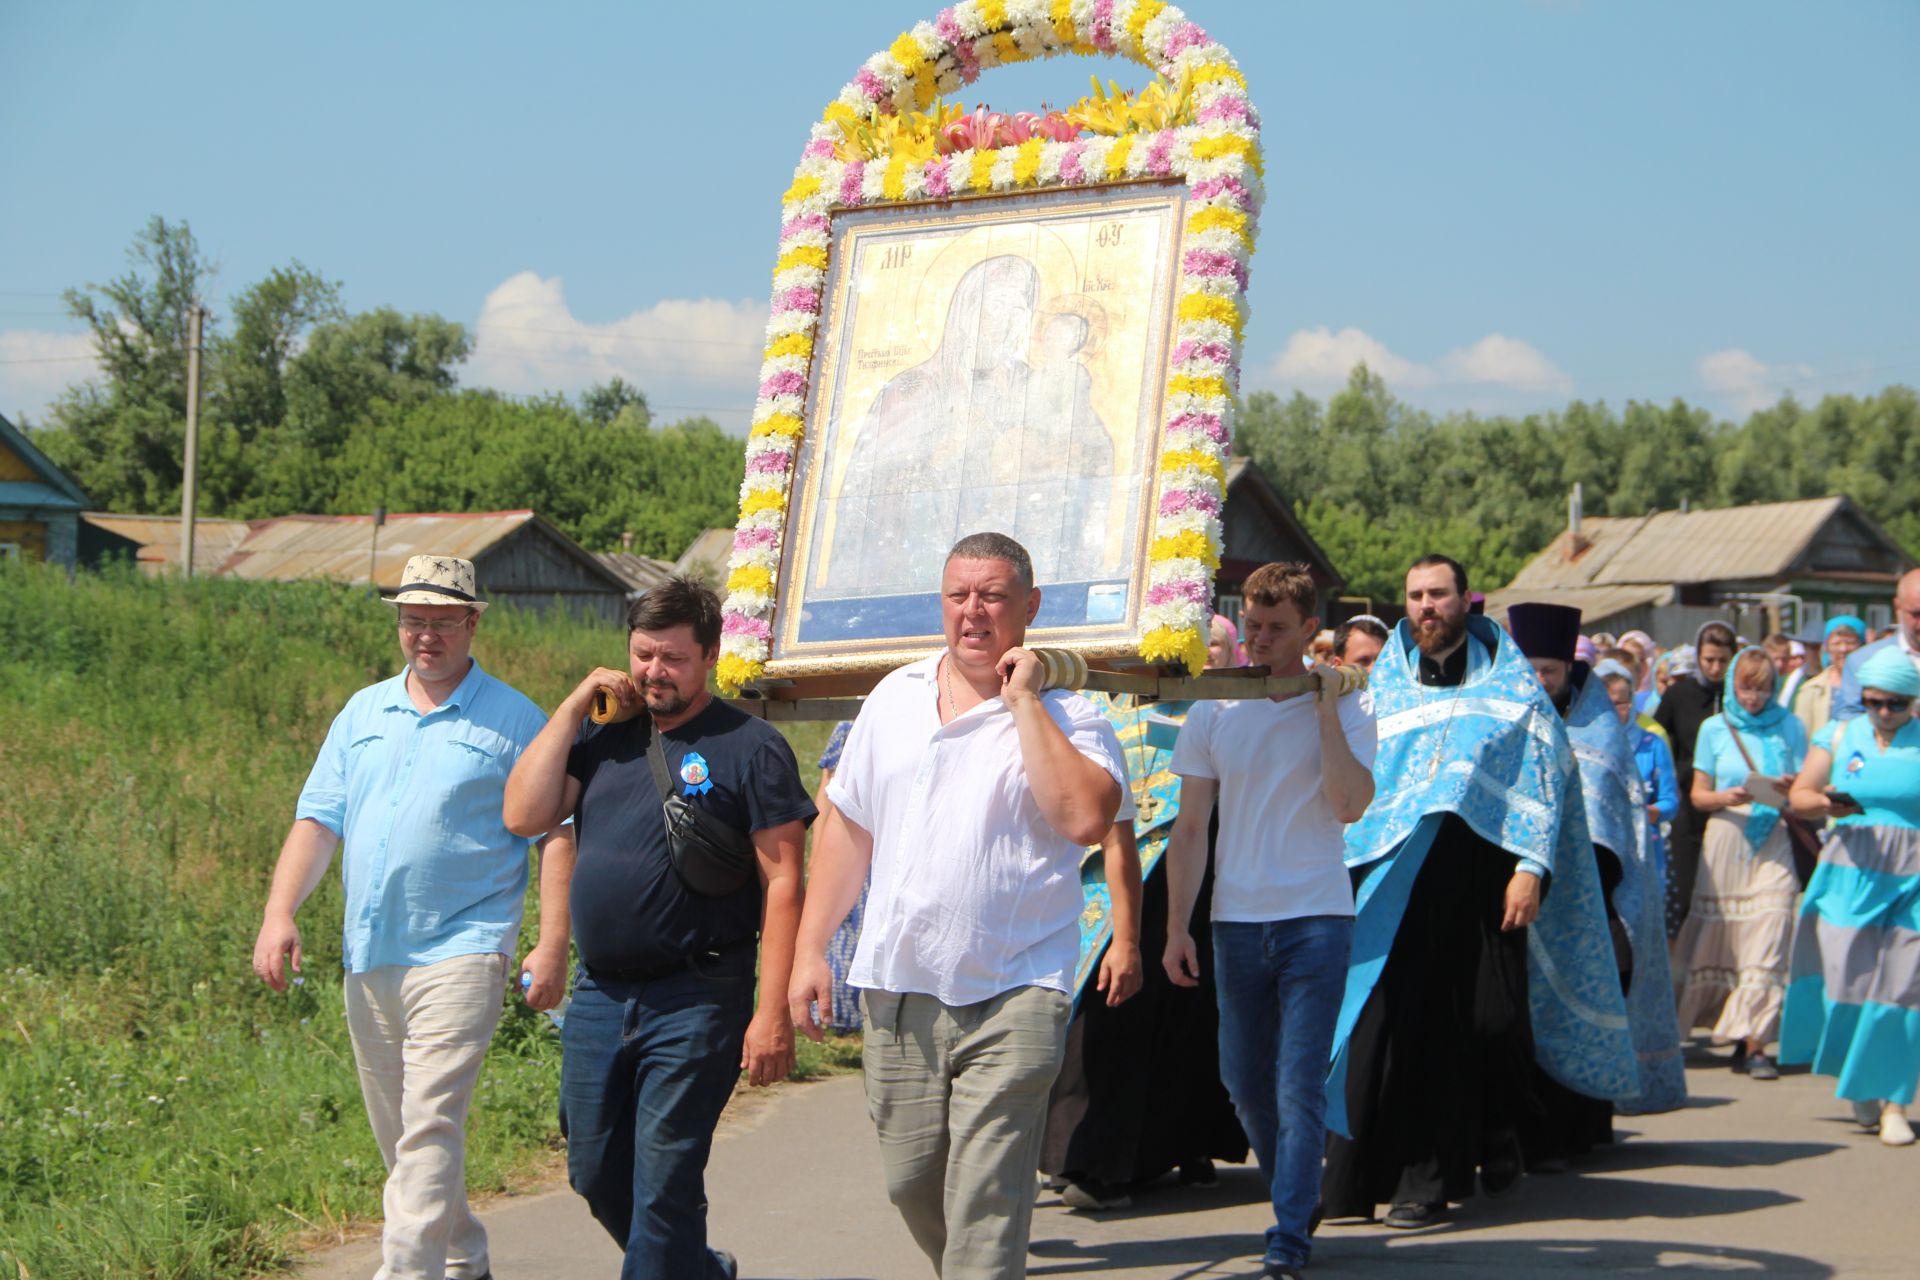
<point>1890,670</point>
<point>1760,731</point>
<point>1848,620</point>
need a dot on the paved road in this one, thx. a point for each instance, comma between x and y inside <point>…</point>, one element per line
<point>1757,1178</point>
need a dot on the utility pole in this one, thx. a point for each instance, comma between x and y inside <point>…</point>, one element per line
<point>191,471</point>
<point>373,552</point>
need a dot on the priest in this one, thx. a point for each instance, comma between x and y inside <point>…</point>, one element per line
<point>1617,824</point>
<point>1480,942</point>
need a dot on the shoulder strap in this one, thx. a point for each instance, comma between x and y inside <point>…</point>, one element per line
<point>1744,753</point>
<point>657,761</point>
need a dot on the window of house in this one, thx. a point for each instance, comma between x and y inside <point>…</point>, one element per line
<point>1878,616</point>
<point>9,551</point>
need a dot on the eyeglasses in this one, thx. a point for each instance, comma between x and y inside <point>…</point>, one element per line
<point>1886,704</point>
<point>439,626</point>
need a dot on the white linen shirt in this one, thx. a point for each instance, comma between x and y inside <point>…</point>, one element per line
<point>973,893</point>
<point>1281,854</point>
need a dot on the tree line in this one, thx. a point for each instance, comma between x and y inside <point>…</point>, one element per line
<point>1379,483</point>
<point>309,408</point>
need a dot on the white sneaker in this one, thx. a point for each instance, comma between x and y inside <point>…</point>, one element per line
<point>1894,1130</point>
<point>1867,1115</point>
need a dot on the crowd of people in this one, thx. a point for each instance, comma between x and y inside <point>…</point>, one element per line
<point>1405,943</point>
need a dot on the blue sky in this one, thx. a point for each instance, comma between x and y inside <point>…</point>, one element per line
<point>1502,205</point>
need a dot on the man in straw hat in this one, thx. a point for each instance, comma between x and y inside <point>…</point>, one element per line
<point>411,778</point>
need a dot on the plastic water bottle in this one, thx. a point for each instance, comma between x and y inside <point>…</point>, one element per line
<point>556,1015</point>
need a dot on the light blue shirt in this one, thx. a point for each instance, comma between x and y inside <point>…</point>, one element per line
<point>431,871</point>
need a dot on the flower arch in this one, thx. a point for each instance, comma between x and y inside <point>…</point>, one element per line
<point>1211,141</point>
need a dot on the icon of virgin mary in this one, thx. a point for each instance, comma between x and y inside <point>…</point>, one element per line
<point>975,438</point>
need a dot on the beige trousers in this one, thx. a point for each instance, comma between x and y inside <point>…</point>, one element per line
<point>419,1034</point>
<point>959,1096</point>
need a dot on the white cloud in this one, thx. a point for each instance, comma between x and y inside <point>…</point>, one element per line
<point>36,366</point>
<point>1497,360</point>
<point>1319,360</point>
<point>698,355</point>
<point>1746,383</point>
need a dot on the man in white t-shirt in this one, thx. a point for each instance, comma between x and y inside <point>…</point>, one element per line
<point>972,796</point>
<point>1289,773</point>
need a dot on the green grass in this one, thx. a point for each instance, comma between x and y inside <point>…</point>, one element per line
<point>161,1113</point>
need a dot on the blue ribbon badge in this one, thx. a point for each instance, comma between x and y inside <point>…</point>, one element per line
<point>695,773</point>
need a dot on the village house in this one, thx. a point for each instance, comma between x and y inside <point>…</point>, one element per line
<point>517,556</point>
<point>1773,566</point>
<point>39,505</point>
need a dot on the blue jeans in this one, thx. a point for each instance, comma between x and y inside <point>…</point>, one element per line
<point>646,1068</point>
<point>1280,985</point>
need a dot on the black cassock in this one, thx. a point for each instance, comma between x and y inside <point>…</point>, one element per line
<point>1440,1064</point>
<point>1139,1091</point>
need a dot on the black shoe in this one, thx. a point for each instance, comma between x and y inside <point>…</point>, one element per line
<point>1761,1067</point>
<point>1406,1217</point>
<point>1201,1173</point>
<point>1282,1271</point>
<point>484,1275</point>
<point>723,1264</point>
<point>1501,1169</point>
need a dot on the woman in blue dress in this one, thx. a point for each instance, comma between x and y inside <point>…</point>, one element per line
<point>1853,1001</point>
<point>1730,956</point>
<point>1652,759</point>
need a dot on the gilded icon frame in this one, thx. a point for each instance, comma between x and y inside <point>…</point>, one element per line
<point>1104,264</point>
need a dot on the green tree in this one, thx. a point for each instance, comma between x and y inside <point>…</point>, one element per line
<point>271,318</point>
<point>121,439</point>
<point>610,401</point>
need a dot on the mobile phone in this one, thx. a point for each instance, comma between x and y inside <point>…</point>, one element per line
<point>1842,799</point>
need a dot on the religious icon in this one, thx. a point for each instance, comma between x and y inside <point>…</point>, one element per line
<point>988,364</point>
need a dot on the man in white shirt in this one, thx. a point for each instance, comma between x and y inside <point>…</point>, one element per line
<point>972,796</point>
<point>1289,773</point>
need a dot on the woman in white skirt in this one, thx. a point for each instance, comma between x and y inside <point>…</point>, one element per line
<point>1730,957</point>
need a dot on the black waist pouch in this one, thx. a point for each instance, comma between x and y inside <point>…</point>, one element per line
<point>710,857</point>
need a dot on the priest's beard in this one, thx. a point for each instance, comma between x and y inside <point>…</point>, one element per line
<point>1438,634</point>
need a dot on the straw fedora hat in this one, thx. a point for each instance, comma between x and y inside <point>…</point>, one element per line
<point>438,580</point>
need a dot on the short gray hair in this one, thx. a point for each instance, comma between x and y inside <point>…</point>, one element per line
<point>995,546</point>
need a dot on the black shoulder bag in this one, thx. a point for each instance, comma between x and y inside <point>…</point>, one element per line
<point>710,857</point>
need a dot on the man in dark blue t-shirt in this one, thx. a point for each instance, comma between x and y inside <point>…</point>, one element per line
<point>663,1016</point>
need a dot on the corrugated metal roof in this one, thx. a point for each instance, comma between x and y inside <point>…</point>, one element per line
<point>640,573</point>
<point>341,547</point>
<point>159,539</point>
<point>1759,541</point>
<point>1596,604</point>
<point>712,548</point>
